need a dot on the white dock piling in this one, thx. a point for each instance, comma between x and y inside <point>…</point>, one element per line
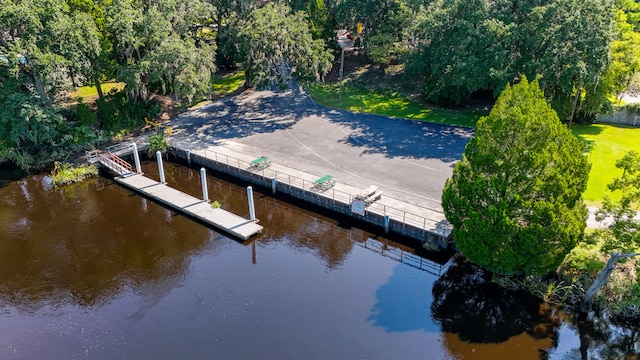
<point>136,158</point>
<point>273,185</point>
<point>160,167</point>
<point>252,210</point>
<point>203,179</point>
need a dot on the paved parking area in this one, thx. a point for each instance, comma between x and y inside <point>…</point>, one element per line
<point>409,160</point>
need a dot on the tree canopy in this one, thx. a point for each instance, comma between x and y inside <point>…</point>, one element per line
<point>480,45</point>
<point>514,199</point>
<point>278,44</point>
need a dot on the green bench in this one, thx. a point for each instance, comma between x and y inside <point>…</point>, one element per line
<point>324,183</point>
<point>260,163</point>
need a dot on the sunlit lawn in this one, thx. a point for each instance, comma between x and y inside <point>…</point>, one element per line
<point>391,104</point>
<point>222,86</point>
<point>606,144</point>
<point>91,91</point>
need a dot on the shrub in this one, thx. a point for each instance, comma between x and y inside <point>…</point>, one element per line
<point>85,116</point>
<point>64,174</point>
<point>118,114</point>
<point>158,142</point>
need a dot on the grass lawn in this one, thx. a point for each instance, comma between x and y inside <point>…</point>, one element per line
<point>91,91</point>
<point>606,144</point>
<point>387,103</point>
<point>222,86</point>
<point>227,84</point>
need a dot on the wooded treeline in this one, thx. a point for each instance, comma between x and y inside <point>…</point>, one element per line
<point>582,51</point>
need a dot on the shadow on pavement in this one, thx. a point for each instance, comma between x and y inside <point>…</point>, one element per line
<point>259,112</point>
<point>403,138</point>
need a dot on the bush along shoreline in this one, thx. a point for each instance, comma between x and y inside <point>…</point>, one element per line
<point>66,174</point>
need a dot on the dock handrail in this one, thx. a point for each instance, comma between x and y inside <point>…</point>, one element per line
<point>417,221</point>
<point>115,158</point>
<point>118,147</point>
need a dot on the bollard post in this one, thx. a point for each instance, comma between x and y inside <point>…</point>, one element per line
<point>203,179</point>
<point>252,210</point>
<point>136,157</point>
<point>160,167</point>
<point>386,224</point>
<point>273,185</point>
<point>188,156</point>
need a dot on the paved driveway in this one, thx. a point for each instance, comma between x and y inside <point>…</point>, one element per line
<point>408,160</point>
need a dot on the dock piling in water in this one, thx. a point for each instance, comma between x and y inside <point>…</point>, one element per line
<point>203,179</point>
<point>160,167</point>
<point>136,157</point>
<point>252,211</point>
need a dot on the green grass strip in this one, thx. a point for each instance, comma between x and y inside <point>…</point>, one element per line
<point>222,86</point>
<point>91,91</point>
<point>387,103</point>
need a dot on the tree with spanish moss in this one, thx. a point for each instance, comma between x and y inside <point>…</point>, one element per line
<point>277,44</point>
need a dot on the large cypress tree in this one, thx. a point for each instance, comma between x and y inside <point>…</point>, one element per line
<point>514,199</point>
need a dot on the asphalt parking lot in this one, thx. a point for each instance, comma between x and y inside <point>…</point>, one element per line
<point>409,160</point>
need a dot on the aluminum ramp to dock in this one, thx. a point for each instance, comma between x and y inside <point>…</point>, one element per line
<point>192,206</point>
<point>110,161</point>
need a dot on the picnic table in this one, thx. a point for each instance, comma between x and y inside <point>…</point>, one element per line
<point>324,183</point>
<point>260,163</point>
<point>369,195</point>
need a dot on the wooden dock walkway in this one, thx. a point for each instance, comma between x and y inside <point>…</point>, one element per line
<point>191,206</point>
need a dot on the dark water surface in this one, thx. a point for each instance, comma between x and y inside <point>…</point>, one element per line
<point>92,271</point>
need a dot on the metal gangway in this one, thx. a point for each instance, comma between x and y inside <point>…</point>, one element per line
<point>110,161</point>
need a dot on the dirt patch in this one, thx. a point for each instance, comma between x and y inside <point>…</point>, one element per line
<point>167,108</point>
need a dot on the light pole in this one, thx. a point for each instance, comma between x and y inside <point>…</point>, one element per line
<point>341,66</point>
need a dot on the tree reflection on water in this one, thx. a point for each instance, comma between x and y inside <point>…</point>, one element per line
<point>78,246</point>
<point>466,303</point>
<point>478,315</point>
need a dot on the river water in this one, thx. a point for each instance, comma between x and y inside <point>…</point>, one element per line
<point>92,271</point>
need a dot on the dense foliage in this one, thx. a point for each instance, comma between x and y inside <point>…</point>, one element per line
<point>480,45</point>
<point>583,53</point>
<point>278,44</point>
<point>612,284</point>
<point>625,228</point>
<point>514,199</point>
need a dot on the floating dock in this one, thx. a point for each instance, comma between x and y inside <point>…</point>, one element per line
<point>191,206</point>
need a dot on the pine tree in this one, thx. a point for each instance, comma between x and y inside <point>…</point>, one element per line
<point>514,199</point>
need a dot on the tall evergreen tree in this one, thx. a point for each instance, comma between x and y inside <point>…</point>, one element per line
<point>514,199</point>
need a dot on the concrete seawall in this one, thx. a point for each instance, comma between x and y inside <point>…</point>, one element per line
<point>433,233</point>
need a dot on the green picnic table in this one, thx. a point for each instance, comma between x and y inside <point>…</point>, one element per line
<point>324,182</point>
<point>260,163</point>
